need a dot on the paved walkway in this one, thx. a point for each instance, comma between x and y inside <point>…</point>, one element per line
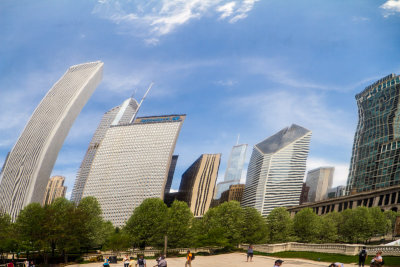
<point>225,260</point>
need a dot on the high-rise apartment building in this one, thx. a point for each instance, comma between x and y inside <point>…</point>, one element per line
<point>319,181</point>
<point>55,189</point>
<point>304,194</point>
<point>276,170</point>
<point>121,114</point>
<point>376,148</point>
<point>132,164</point>
<point>28,166</point>
<point>234,169</point>
<point>198,183</point>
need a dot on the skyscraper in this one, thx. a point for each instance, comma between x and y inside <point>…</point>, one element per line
<point>28,166</point>
<point>171,172</point>
<point>118,115</point>
<point>55,189</point>
<point>319,182</point>
<point>198,183</point>
<point>376,148</point>
<point>132,164</point>
<point>276,170</point>
<point>234,169</point>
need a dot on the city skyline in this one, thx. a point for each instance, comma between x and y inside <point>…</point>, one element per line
<point>225,65</point>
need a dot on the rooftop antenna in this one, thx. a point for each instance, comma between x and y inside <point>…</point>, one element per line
<point>237,141</point>
<point>141,101</point>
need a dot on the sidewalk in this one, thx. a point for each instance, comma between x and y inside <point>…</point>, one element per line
<point>225,260</point>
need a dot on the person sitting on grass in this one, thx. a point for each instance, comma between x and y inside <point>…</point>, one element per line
<point>336,264</point>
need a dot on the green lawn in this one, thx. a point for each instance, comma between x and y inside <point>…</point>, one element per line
<point>329,257</point>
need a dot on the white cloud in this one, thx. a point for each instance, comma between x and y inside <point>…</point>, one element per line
<point>391,7</point>
<point>280,108</point>
<point>341,169</point>
<point>152,19</point>
<point>360,19</point>
<point>226,9</point>
<point>227,82</point>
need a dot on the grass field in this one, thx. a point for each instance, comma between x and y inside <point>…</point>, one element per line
<point>391,261</point>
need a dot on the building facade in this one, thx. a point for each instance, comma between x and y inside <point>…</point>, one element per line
<point>319,181</point>
<point>28,166</point>
<point>234,169</point>
<point>276,170</point>
<point>132,164</point>
<point>304,194</point>
<point>55,189</point>
<point>386,198</point>
<point>121,114</point>
<point>198,183</point>
<point>376,148</point>
<point>337,191</point>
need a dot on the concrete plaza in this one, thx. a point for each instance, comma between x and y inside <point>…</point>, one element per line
<point>228,260</point>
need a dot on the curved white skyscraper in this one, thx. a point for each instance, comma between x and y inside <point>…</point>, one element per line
<point>121,114</point>
<point>276,170</point>
<point>28,166</point>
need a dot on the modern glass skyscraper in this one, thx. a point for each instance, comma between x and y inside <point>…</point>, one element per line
<point>276,170</point>
<point>28,166</point>
<point>198,183</point>
<point>121,114</point>
<point>375,160</point>
<point>132,164</point>
<point>234,169</point>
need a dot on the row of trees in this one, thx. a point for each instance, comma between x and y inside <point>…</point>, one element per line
<point>63,228</point>
<point>350,226</point>
<point>59,228</point>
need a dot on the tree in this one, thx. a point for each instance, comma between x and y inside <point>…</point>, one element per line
<point>307,225</point>
<point>356,225</point>
<point>5,234</point>
<point>380,224</point>
<point>255,229</point>
<point>91,230</point>
<point>148,223</point>
<point>226,219</point>
<point>29,227</point>
<point>117,241</point>
<point>329,227</point>
<point>179,230</point>
<point>280,225</point>
<point>391,217</point>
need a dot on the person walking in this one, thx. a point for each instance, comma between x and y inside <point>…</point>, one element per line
<point>131,262</point>
<point>278,263</point>
<point>162,262</point>
<point>250,253</point>
<point>26,263</point>
<point>10,264</point>
<point>141,262</point>
<point>126,261</point>
<point>362,256</point>
<point>188,259</point>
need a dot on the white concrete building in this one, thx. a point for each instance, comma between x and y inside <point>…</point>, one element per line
<point>319,181</point>
<point>118,115</point>
<point>28,167</point>
<point>276,170</point>
<point>132,164</point>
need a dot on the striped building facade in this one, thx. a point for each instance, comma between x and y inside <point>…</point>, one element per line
<point>55,189</point>
<point>198,183</point>
<point>28,166</point>
<point>276,170</point>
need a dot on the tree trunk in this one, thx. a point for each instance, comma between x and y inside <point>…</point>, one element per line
<point>65,256</point>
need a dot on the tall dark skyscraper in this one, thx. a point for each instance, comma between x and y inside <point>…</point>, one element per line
<point>375,160</point>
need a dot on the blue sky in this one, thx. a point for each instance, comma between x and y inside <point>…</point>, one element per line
<point>243,67</point>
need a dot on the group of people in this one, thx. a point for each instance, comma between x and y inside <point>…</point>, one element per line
<point>26,264</point>
<point>141,261</point>
<point>377,261</point>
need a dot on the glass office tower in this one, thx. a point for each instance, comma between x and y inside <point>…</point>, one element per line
<point>375,159</point>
